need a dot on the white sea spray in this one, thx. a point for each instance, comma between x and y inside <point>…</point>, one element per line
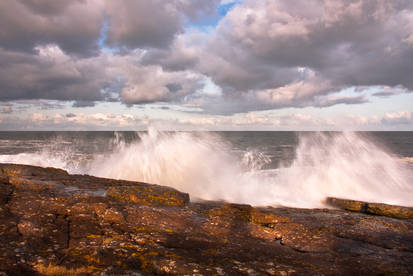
<point>347,165</point>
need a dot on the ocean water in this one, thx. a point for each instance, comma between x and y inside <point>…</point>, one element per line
<point>297,169</point>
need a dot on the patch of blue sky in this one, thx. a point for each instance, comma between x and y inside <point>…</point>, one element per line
<point>210,88</point>
<point>400,102</point>
<point>103,35</point>
<point>207,24</point>
<point>102,39</point>
<point>226,6</point>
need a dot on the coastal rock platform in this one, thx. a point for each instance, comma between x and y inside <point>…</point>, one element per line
<point>54,223</point>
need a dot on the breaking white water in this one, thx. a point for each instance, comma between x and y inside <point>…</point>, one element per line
<point>205,165</point>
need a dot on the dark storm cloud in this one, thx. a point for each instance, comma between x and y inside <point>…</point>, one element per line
<point>50,74</point>
<point>73,25</point>
<point>137,24</point>
<point>279,53</point>
<point>142,24</point>
<point>262,55</point>
<point>76,26</point>
<point>83,104</point>
<point>171,59</point>
<point>49,50</point>
<point>283,53</point>
<point>70,115</point>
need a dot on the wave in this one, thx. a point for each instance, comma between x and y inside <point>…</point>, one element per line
<point>346,165</point>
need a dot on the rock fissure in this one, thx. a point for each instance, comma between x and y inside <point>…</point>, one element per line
<point>376,244</point>
<point>281,242</point>
<point>147,229</point>
<point>9,195</point>
<point>67,219</point>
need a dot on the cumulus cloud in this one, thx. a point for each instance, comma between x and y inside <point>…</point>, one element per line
<point>50,50</point>
<point>73,25</point>
<point>145,84</point>
<point>330,37</point>
<point>289,53</point>
<point>267,54</point>
<point>141,24</point>
<point>52,74</point>
<point>76,26</point>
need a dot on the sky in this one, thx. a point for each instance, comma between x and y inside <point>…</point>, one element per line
<point>206,65</point>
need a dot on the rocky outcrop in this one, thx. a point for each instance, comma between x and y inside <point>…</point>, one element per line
<point>53,223</point>
<point>380,209</point>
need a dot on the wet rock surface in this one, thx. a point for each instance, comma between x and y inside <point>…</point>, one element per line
<point>53,223</point>
<point>379,209</point>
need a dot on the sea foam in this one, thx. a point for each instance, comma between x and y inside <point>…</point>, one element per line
<point>346,165</point>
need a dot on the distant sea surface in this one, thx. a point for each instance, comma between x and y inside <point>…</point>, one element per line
<point>298,169</point>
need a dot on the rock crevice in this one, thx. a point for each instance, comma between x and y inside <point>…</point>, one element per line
<point>55,223</point>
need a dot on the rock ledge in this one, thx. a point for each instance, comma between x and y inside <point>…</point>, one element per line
<point>53,223</point>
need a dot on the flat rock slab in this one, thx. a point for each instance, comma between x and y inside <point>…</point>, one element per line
<point>54,223</point>
<point>380,209</point>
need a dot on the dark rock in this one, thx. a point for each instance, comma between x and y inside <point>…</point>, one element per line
<point>53,223</point>
<point>372,208</point>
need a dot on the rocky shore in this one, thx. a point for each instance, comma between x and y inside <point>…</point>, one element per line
<point>54,223</point>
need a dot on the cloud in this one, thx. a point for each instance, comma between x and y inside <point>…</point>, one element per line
<point>179,56</point>
<point>387,91</point>
<point>76,26</point>
<point>281,53</point>
<point>54,75</point>
<point>401,117</point>
<point>83,104</point>
<point>71,121</point>
<point>70,115</point>
<point>331,99</point>
<point>262,54</point>
<point>145,84</point>
<point>329,37</point>
<point>73,25</point>
<point>51,74</point>
<point>142,24</point>
<point>6,108</point>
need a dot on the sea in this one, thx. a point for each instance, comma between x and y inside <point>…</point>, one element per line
<point>277,168</point>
